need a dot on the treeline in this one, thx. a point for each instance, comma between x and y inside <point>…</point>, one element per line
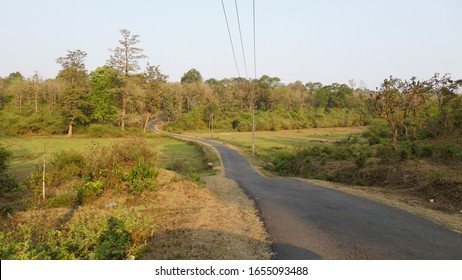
<point>119,94</point>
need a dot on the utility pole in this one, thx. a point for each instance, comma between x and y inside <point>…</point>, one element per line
<point>253,128</point>
<point>211,115</point>
<point>44,172</point>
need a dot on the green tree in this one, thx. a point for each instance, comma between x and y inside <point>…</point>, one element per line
<point>105,83</point>
<point>390,104</point>
<point>125,59</point>
<point>445,89</point>
<point>154,85</point>
<point>15,76</point>
<point>192,76</point>
<point>75,77</point>
<point>339,95</point>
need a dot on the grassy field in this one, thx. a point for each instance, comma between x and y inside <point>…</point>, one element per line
<point>176,218</point>
<point>28,151</point>
<point>269,142</point>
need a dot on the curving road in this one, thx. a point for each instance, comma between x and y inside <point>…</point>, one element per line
<point>306,221</point>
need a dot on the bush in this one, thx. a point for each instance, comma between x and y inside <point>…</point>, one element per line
<point>114,242</point>
<point>361,159</point>
<point>14,124</point>
<point>449,152</point>
<point>99,131</point>
<point>7,182</point>
<point>59,201</point>
<point>142,176</point>
<point>70,161</point>
<point>89,191</point>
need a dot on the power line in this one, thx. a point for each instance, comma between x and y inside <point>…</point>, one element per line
<point>254,43</point>
<point>255,68</point>
<point>231,39</point>
<point>242,43</point>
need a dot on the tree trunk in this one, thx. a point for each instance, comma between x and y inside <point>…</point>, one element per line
<point>146,122</point>
<point>406,133</point>
<point>395,136</point>
<point>124,105</point>
<point>36,104</point>
<point>71,123</point>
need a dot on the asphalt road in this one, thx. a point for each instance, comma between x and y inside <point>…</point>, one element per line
<point>306,221</point>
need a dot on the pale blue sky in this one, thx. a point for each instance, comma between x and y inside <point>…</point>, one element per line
<point>327,41</point>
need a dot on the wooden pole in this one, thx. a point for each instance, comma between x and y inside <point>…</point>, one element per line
<point>212,125</point>
<point>44,172</point>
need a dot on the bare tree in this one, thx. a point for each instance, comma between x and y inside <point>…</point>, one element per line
<point>125,59</point>
<point>36,84</point>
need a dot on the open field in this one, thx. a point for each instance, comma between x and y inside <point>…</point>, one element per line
<point>28,151</point>
<point>187,215</point>
<point>427,187</point>
<point>269,142</point>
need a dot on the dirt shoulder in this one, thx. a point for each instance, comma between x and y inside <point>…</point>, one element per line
<point>217,221</point>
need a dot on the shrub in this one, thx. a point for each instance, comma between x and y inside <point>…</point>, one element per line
<point>7,182</point>
<point>89,191</point>
<point>99,131</point>
<point>449,151</point>
<point>404,152</point>
<point>114,242</point>
<point>361,159</point>
<point>59,201</point>
<point>142,176</point>
<point>71,162</point>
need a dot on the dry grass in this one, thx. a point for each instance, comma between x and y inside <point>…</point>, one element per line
<point>182,220</point>
<point>215,222</point>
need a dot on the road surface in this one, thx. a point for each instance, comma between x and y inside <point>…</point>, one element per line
<point>306,221</point>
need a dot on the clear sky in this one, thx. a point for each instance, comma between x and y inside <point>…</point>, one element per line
<point>307,40</point>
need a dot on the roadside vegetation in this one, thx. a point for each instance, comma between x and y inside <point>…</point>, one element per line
<point>113,198</point>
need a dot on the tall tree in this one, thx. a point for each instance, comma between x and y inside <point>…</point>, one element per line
<point>105,83</point>
<point>154,84</point>
<point>390,104</point>
<point>125,59</point>
<point>192,76</point>
<point>75,78</point>
<point>36,84</point>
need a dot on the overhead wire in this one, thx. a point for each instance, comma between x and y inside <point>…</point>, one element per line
<point>242,42</point>
<point>230,39</point>
<point>254,43</point>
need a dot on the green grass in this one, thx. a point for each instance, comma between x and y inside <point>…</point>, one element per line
<point>28,151</point>
<point>269,143</point>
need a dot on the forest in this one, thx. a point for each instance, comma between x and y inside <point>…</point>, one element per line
<point>119,94</point>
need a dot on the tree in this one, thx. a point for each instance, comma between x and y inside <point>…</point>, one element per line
<point>36,81</point>
<point>192,76</point>
<point>75,78</point>
<point>416,99</point>
<point>105,83</point>
<point>154,84</point>
<point>445,89</point>
<point>15,76</point>
<point>389,103</point>
<point>125,59</point>
<point>400,103</point>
